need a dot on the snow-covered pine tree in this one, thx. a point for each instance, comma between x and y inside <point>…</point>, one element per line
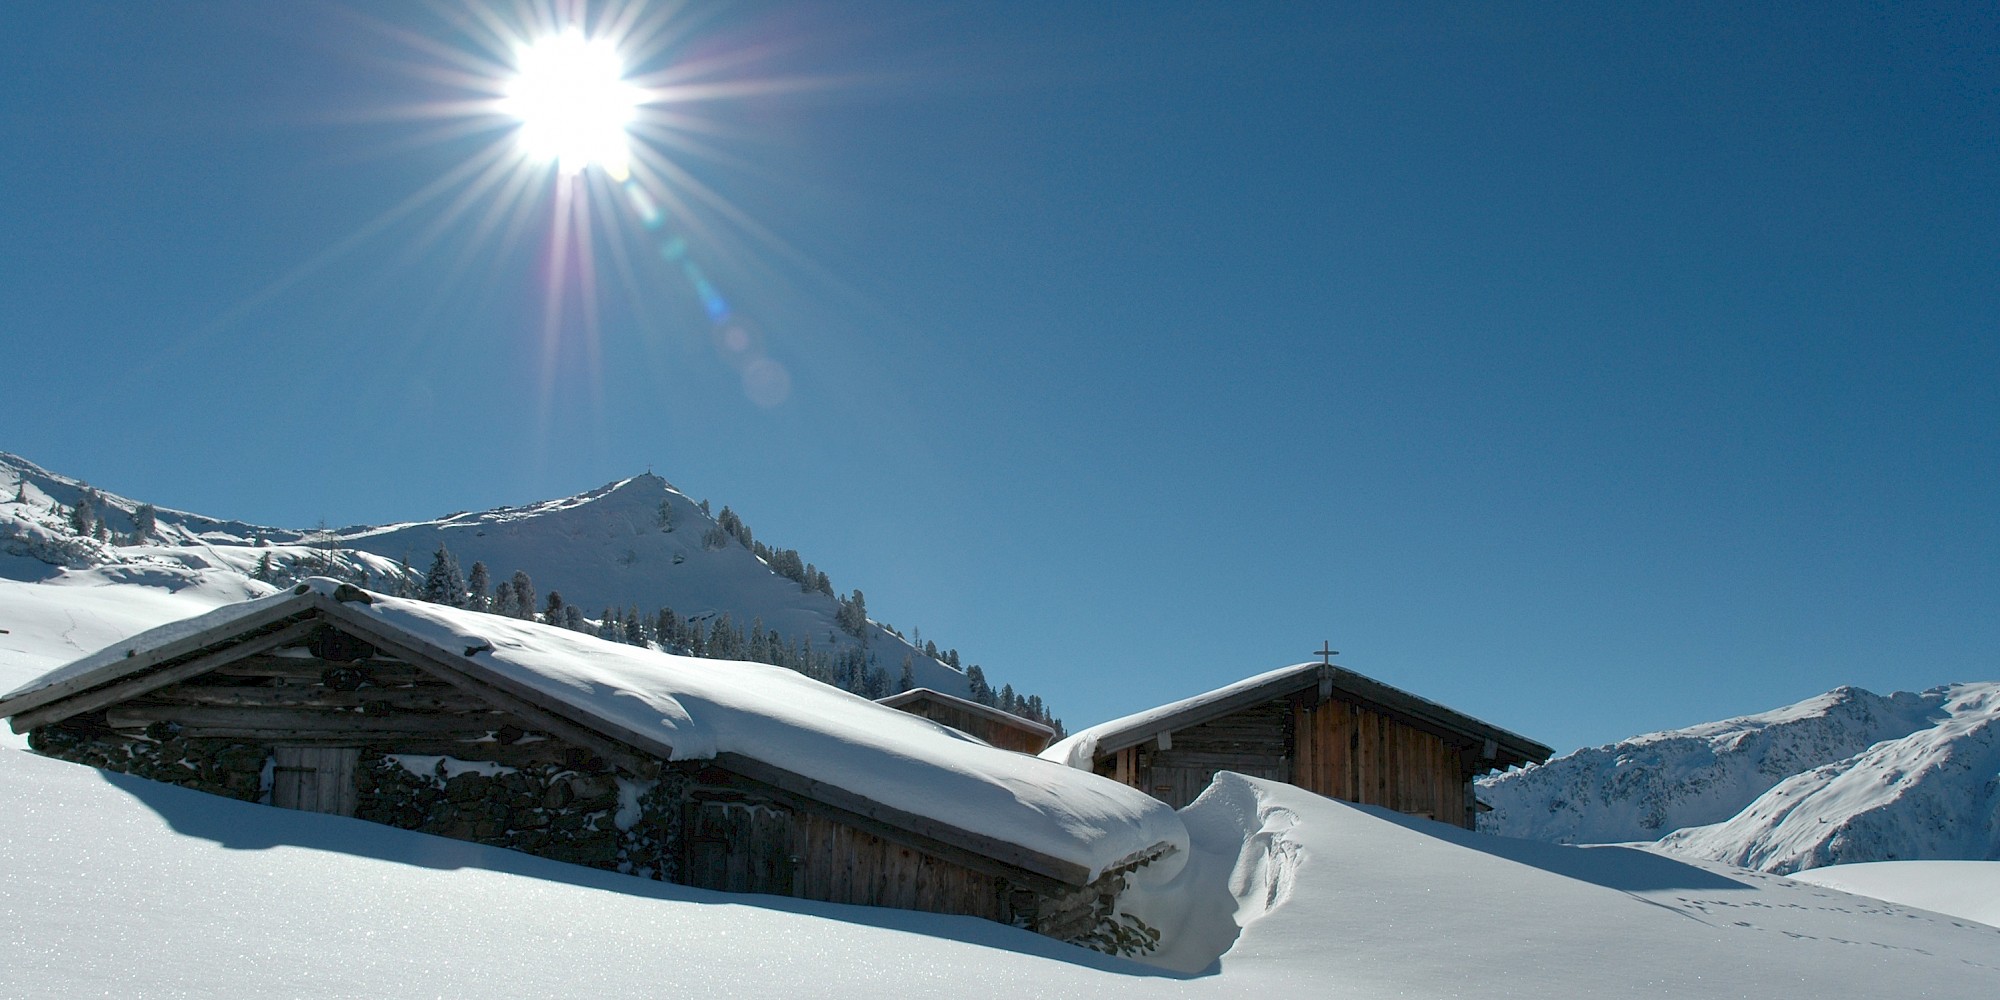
<point>909,679</point>
<point>557,612</point>
<point>444,584</point>
<point>476,583</point>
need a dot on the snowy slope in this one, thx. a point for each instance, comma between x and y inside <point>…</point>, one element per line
<point>606,548</point>
<point>1969,890</point>
<point>1931,795</point>
<point>1642,788</point>
<point>603,548</point>
<point>118,887</point>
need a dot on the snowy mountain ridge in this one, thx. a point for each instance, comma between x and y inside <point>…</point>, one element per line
<point>637,542</point>
<point>1847,776</point>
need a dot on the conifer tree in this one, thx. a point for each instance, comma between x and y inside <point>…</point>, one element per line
<point>909,679</point>
<point>476,583</point>
<point>83,517</point>
<point>145,521</point>
<point>403,573</point>
<point>444,584</point>
<point>557,612</point>
<point>504,603</point>
<point>524,596</point>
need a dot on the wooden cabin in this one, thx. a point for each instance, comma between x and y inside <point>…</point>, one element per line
<point>721,775</point>
<point>1315,725</point>
<point>1002,729</point>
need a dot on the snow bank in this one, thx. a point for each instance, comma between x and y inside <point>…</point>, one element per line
<point>1353,901</point>
<point>1965,889</point>
<point>119,887</point>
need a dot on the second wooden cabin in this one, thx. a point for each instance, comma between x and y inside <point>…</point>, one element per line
<point>1002,729</point>
<point>1315,725</point>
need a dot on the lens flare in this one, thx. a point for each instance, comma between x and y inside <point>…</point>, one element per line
<point>573,103</point>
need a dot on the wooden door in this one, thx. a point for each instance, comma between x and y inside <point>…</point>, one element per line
<point>315,779</point>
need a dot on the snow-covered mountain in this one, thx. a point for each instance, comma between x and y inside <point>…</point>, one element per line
<point>634,543</point>
<point>1848,776</point>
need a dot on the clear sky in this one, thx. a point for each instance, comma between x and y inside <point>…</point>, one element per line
<point>1590,369</point>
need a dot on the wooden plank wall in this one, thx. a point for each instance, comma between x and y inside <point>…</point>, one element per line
<point>1253,741</point>
<point>751,847</point>
<point>839,864</point>
<point>1347,752</point>
<point>315,779</point>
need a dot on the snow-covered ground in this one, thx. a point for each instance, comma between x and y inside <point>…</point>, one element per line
<point>120,887</point>
<point>1966,889</point>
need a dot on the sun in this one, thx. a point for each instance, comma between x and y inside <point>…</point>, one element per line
<point>573,103</point>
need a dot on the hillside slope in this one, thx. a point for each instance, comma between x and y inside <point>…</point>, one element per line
<point>1933,795</point>
<point>605,548</point>
<point>1646,786</point>
<point>1845,777</point>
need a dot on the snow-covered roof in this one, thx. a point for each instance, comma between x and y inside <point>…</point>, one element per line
<point>1082,749</point>
<point>697,709</point>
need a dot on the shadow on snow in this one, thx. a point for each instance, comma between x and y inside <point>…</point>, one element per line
<point>246,826</point>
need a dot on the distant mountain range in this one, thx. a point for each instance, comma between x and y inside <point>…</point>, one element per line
<point>634,544</point>
<point>1848,776</point>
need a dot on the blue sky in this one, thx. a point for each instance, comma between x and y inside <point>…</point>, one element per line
<point>1591,370</point>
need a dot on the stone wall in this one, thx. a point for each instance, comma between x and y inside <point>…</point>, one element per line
<point>582,816</point>
<point>595,819</point>
<point>220,767</point>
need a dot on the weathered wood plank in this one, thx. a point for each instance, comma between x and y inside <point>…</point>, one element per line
<point>438,698</point>
<point>533,710</point>
<point>140,714</point>
<point>132,687</point>
<point>379,671</point>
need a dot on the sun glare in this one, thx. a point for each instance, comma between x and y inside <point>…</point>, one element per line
<point>573,103</point>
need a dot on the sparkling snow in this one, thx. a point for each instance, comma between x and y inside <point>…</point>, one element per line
<point>119,887</point>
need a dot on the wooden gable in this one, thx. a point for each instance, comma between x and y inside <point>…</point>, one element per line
<point>1002,729</point>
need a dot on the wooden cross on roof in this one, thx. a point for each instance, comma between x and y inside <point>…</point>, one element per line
<point>1326,653</point>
